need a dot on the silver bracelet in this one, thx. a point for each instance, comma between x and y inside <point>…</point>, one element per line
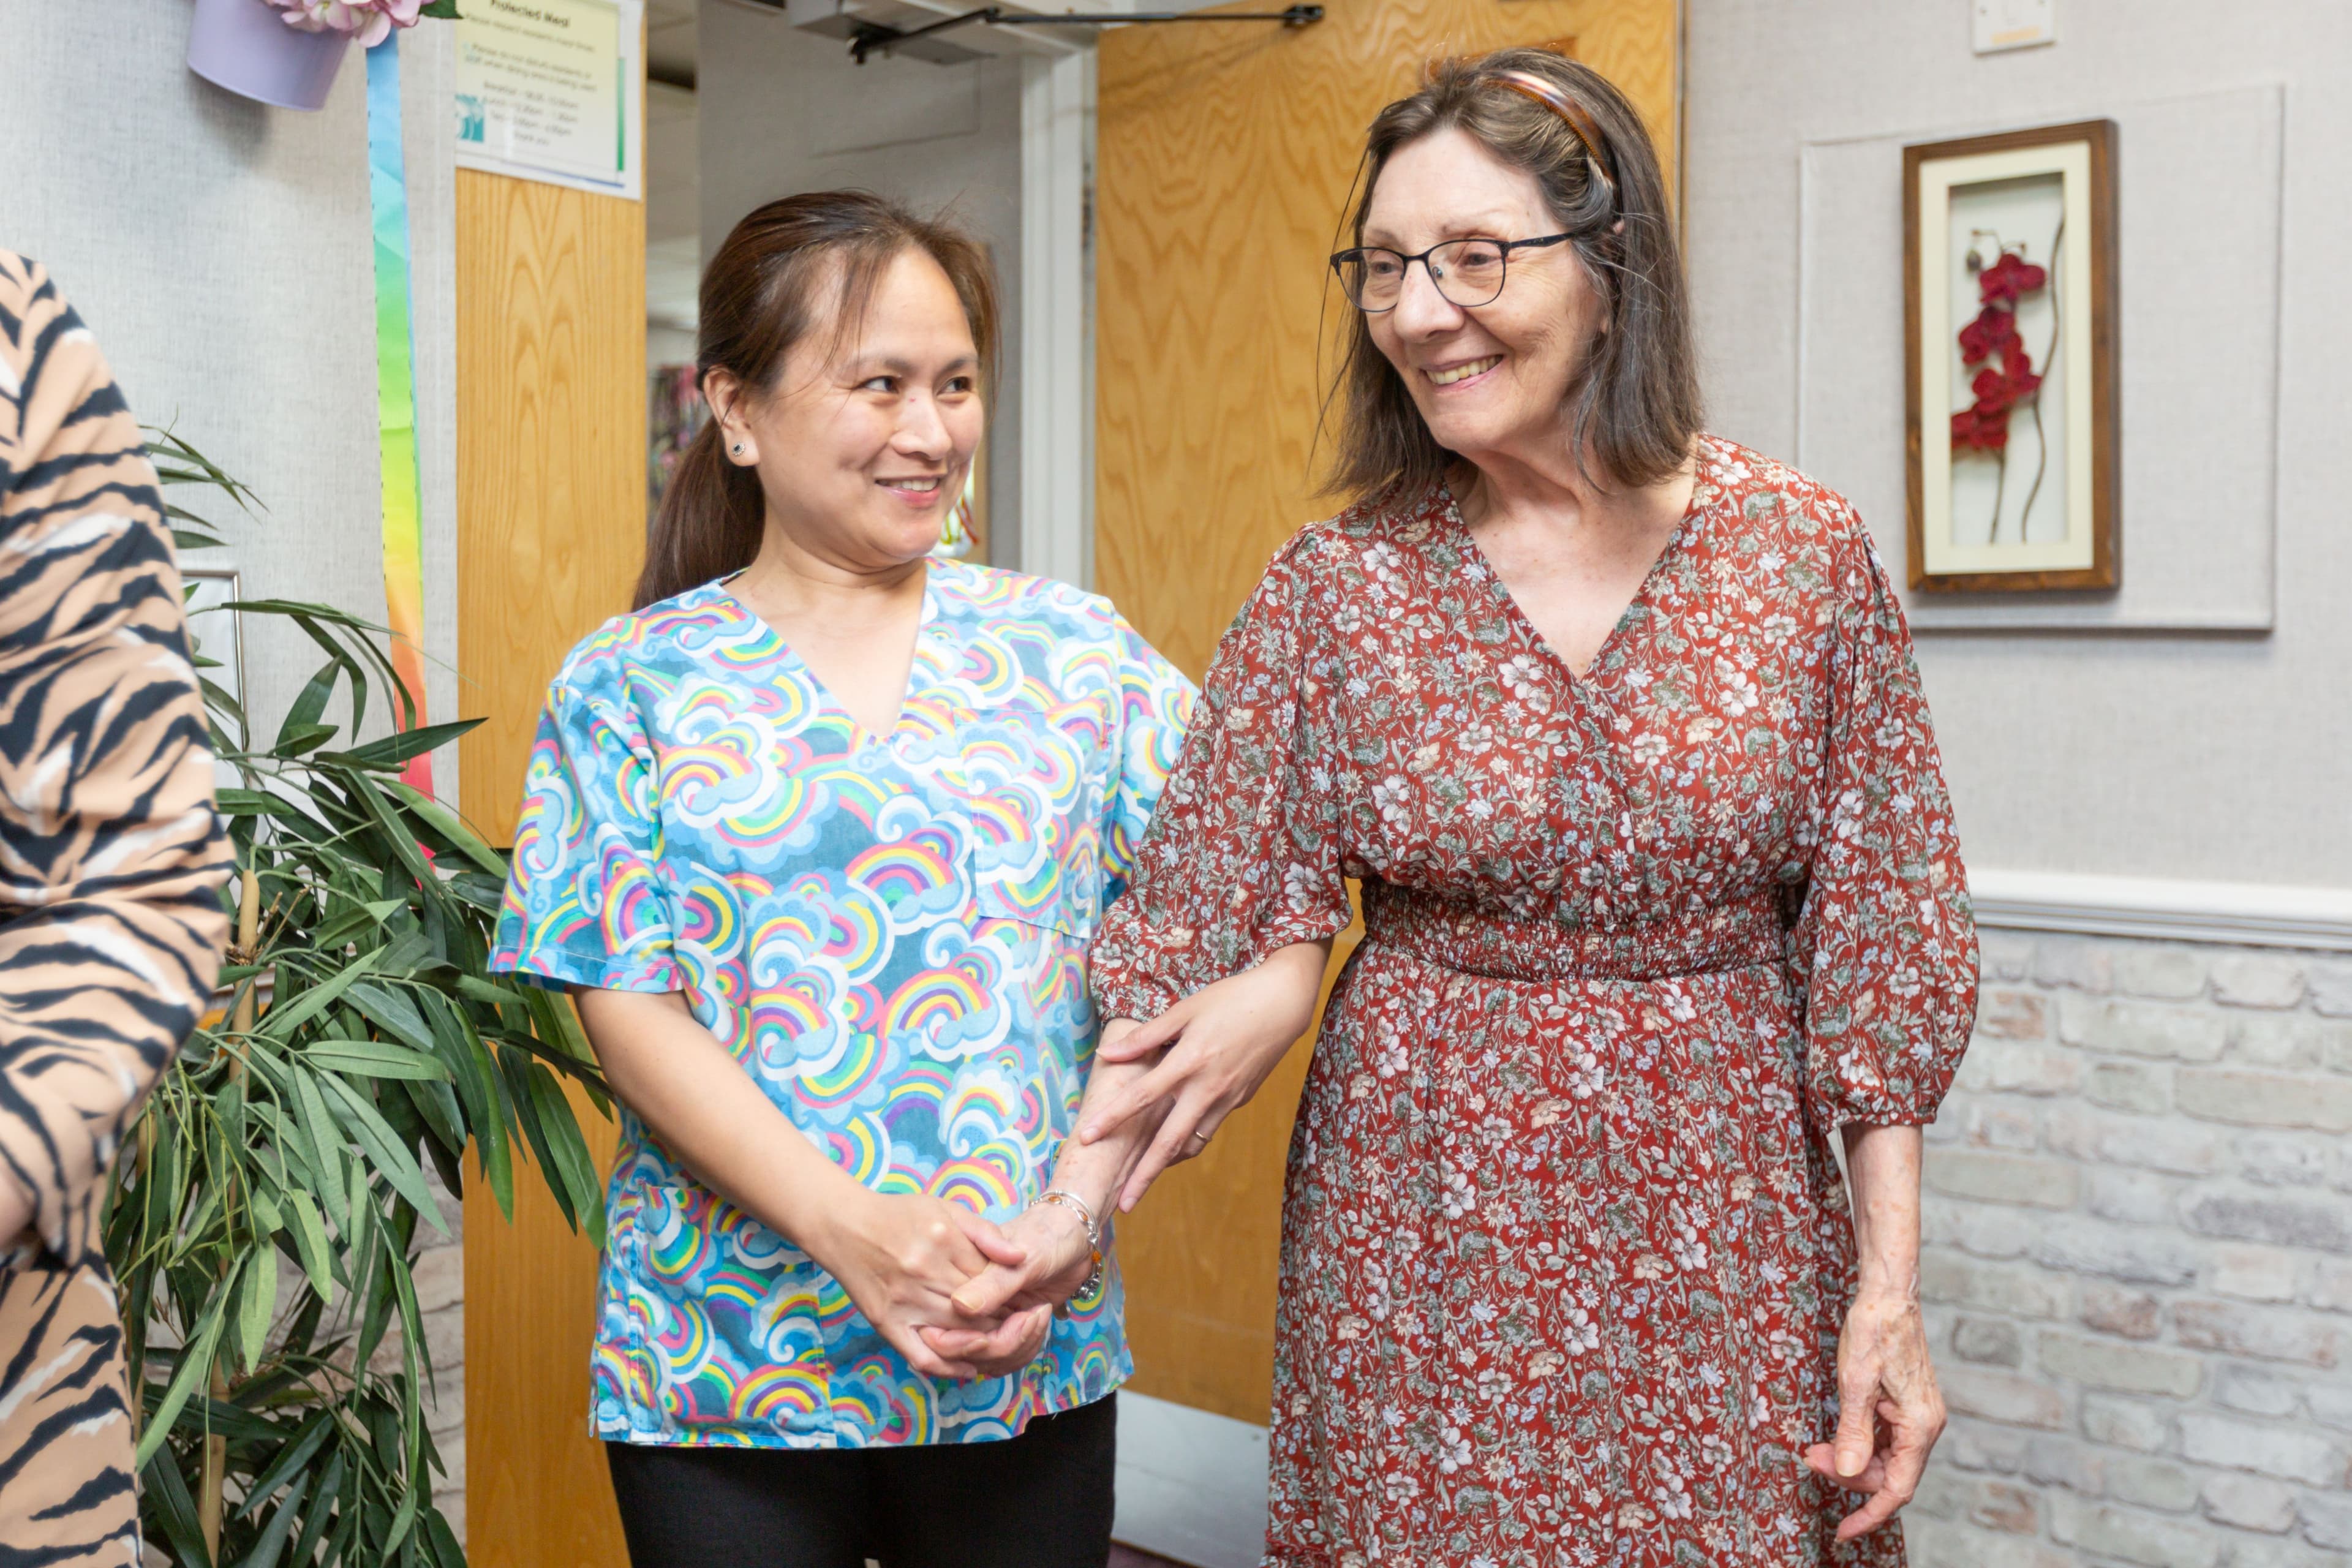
<point>1067,1199</point>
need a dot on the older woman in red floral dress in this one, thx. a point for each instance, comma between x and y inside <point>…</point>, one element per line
<point>1618,727</point>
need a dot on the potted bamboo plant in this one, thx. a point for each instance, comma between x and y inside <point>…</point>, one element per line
<point>265,1217</point>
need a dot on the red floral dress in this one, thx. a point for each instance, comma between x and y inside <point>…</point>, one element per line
<point>1565,1250</point>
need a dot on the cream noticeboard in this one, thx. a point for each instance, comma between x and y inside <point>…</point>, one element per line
<point>552,89</point>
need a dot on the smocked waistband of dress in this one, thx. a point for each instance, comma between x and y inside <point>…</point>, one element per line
<point>1536,949</point>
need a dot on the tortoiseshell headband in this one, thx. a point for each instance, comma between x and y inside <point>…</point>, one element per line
<point>1527,84</point>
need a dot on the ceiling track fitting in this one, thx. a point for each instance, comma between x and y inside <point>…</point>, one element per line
<point>872,37</point>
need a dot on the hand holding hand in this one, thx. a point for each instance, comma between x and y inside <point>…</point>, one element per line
<point>998,1353</point>
<point>902,1258</point>
<point>1059,1261</point>
<point>1228,1038</point>
<point>1890,1411</point>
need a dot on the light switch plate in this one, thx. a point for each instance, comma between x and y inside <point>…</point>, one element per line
<point>2013,23</point>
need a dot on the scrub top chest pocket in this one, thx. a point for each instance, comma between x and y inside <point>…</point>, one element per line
<point>1032,779</point>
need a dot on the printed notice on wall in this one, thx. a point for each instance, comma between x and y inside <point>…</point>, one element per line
<point>549,89</point>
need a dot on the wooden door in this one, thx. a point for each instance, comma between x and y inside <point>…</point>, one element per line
<point>1223,161</point>
<point>550,533</point>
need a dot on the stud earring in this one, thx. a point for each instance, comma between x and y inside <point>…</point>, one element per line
<point>737,449</point>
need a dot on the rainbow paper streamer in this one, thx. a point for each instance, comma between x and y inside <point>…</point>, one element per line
<point>395,392</point>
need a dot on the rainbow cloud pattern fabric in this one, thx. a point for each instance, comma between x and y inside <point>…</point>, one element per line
<point>889,932</point>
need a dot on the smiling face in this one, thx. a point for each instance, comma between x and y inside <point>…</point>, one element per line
<point>861,457</point>
<point>1490,381</point>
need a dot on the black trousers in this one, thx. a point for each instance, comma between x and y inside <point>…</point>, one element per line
<point>1039,1500</point>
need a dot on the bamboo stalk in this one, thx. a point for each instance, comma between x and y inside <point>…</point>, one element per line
<point>212,1489</point>
<point>248,932</point>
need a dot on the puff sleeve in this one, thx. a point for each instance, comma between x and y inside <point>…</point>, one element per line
<point>1885,945</point>
<point>1243,855</point>
<point>112,858</point>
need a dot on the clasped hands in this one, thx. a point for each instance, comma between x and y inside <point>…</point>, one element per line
<point>962,1298</point>
<point>959,1296</point>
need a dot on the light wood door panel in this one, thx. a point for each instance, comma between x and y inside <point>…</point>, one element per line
<point>1224,160</point>
<point>550,533</point>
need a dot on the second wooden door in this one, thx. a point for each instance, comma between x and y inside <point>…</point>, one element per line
<point>1225,162</point>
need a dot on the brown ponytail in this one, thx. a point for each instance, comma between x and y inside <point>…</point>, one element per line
<point>763,296</point>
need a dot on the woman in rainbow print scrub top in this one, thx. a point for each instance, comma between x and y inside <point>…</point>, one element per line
<point>816,836</point>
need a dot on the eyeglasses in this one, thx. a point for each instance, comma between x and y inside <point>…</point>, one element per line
<point>1468,272</point>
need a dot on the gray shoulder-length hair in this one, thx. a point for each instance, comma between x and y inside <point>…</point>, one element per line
<point>1635,403</point>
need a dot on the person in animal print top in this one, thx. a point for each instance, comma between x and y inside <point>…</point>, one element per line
<point>111,862</point>
<point>818,836</point>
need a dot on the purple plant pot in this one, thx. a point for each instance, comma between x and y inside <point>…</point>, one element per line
<point>246,47</point>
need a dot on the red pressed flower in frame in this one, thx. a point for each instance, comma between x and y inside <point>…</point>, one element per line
<point>1993,330</point>
<point>1979,429</point>
<point>1984,426</point>
<point>2010,277</point>
<point>2017,369</point>
<point>1992,391</point>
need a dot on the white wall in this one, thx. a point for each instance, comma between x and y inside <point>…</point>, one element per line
<point>221,253</point>
<point>2226,757</point>
<point>673,223</point>
<point>783,111</point>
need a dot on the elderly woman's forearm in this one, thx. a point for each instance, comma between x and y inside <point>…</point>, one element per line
<point>1095,1171</point>
<point>1883,1169</point>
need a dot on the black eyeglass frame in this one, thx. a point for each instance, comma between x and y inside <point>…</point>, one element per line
<point>1340,258</point>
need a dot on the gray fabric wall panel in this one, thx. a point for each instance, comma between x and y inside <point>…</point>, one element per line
<point>220,250</point>
<point>2147,753</point>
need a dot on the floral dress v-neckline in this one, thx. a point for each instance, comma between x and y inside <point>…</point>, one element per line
<point>1565,1247</point>
<point>1627,618</point>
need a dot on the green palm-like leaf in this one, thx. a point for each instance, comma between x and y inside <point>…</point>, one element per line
<point>264,1221</point>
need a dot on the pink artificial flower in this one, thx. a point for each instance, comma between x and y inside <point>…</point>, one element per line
<point>369,21</point>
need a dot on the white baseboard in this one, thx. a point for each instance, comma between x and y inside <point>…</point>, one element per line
<point>1192,1486</point>
<point>2251,914</point>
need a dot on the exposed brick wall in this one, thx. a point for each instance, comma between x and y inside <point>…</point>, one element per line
<point>2138,1262</point>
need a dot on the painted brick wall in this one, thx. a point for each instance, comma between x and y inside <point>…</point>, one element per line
<point>2138,1262</point>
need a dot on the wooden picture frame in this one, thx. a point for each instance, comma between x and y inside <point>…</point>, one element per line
<point>2011,358</point>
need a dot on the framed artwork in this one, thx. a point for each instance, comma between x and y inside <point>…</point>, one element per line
<point>2009,256</point>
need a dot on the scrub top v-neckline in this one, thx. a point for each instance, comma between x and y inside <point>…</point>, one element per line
<point>861,735</point>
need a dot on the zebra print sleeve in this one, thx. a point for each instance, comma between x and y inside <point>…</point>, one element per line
<point>112,858</point>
